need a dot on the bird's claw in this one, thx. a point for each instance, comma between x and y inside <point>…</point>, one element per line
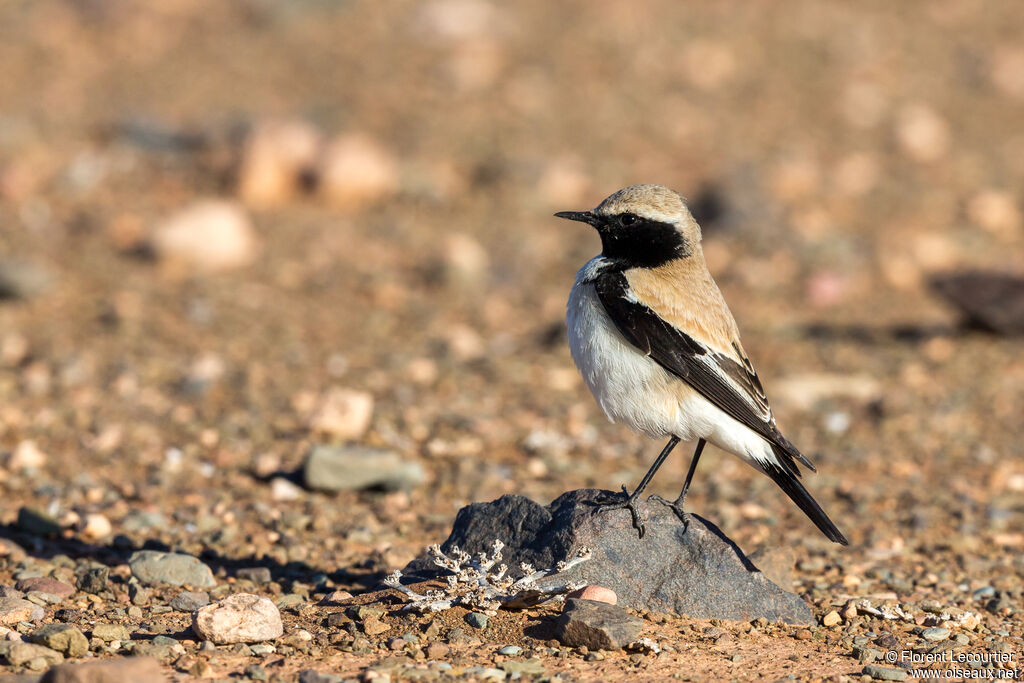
<point>677,507</point>
<point>624,502</point>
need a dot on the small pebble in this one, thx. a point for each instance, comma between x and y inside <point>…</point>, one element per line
<point>831,619</point>
<point>477,620</point>
<point>596,593</point>
<point>884,673</point>
<point>935,634</point>
<point>510,650</point>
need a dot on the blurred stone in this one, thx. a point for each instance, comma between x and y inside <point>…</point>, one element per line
<point>935,251</point>
<point>1007,70</point>
<point>596,594</point>
<point>208,235</point>
<point>992,301</point>
<point>94,580</point>
<point>335,598</point>
<point>277,155</point>
<point>63,638</point>
<point>806,390</point>
<point>826,288</point>
<point>239,618</point>
<point>831,619</point>
<point>885,673</point>
<point>26,455</point>
<point>596,625</point>
<point>464,342</point>
<point>153,567</point>
<point>96,527</point>
<point>11,550</point>
<point>356,171</point>
<point>121,670</point>
<point>37,522</point>
<point>22,280</point>
<point>205,370</point>
<point>697,571</point>
<point>923,133</point>
<point>258,575</point>
<point>189,601</point>
<point>353,468</point>
<point>14,610</point>
<point>13,349</point>
<point>466,260</point>
<point>454,20</point>
<point>344,414</point>
<point>996,211</point>
<point>30,655</point>
<point>284,490</point>
<point>110,632</point>
<point>45,584</point>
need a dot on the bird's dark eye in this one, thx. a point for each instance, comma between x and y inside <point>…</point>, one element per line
<point>627,219</point>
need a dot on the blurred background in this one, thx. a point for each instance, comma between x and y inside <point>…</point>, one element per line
<point>233,232</point>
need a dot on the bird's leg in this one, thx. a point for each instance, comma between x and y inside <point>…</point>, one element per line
<point>628,500</point>
<point>677,504</point>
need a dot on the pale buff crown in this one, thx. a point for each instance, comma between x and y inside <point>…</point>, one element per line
<point>656,202</point>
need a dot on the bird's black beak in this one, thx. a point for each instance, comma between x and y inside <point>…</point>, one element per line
<point>581,216</point>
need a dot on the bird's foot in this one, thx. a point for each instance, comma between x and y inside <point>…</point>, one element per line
<point>677,507</point>
<point>625,501</point>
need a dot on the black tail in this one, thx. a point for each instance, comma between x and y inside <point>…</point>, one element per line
<point>789,483</point>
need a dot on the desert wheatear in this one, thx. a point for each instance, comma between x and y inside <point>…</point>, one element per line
<point>660,351</point>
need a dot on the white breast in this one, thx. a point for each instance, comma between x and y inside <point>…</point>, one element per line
<point>634,390</point>
<point>622,380</point>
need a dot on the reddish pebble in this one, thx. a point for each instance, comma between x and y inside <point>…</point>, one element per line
<point>336,598</point>
<point>45,584</point>
<point>595,593</point>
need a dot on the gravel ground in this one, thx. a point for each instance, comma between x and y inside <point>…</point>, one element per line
<point>232,233</point>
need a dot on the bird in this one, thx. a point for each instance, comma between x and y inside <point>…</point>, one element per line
<point>659,349</point>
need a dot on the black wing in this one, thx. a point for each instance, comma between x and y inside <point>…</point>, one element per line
<point>733,387</point>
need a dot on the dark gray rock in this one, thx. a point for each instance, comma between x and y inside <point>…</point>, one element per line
<point>37,523</point>
<point>94,580</point>
<point>989,300</point>
<point>476,620</point>
<point>695,570</point>
<point>313,676</point>
<point>154,567</point>
<point>258,575</point>
<point>353,468</point>
<point>190,601</point>
<point>596,625</point>
<point>885,673</point>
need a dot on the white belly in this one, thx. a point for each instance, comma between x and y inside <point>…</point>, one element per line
<point>622,380</point>
<point>634,390</point>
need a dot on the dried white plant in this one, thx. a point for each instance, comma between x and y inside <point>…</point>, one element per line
<point>644,645</point>
<point>476,583</point>
<point>894,612</point>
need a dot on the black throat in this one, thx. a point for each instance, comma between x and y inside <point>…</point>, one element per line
<point>644,244</point>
